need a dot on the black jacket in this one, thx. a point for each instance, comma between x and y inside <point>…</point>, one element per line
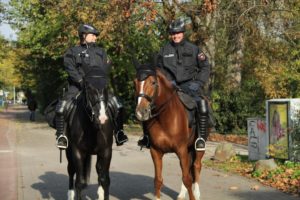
<point>184,62</point>
<point>87,62</point>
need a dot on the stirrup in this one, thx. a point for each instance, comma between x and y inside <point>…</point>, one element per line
<point>125,138</point>
<point>62,146</point>
<point>202,142</point>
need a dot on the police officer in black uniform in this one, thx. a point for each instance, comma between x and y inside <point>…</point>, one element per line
<point>187,67</point>
<point>78,61</point>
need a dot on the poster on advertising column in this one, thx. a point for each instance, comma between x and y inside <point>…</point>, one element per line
<point>278,129</point>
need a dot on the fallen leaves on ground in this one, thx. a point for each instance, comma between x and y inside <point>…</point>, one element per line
<point>285,178</point>
<point>237,139</point>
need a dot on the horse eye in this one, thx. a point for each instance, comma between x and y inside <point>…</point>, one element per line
<point>154,82</point>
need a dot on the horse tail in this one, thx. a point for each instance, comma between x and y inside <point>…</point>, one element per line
<point>87,168</point>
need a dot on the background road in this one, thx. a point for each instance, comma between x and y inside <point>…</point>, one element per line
<point>30,168</point>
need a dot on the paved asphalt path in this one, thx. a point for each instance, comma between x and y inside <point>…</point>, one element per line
<point>30,168</point>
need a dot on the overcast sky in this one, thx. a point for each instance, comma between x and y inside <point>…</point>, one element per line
<point>5,29</point>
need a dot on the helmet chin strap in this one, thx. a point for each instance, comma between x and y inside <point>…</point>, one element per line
<point>85,42</point>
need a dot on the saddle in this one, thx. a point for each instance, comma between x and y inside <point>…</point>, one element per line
<point>190,107</point>
<point>50,111</point>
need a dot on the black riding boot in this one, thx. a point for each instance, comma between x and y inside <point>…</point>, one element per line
<point>61,139</point>
<point>202,125</point>
<point>120,135</point>
<point>145,140</point>
<point>117,114</point>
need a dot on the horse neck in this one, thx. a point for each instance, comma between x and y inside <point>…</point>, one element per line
<point>171,110</point>
<point>167,96</point>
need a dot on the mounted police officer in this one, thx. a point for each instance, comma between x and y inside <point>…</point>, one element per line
<point>188,68</point>
<point>78,61</point>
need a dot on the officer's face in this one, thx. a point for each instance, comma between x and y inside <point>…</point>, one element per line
<point>177,37</point>
<point>89,38</point>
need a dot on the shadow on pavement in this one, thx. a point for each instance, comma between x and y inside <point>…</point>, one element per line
<point>124,186</point>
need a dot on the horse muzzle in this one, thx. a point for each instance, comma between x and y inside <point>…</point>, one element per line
<point>143,113</point>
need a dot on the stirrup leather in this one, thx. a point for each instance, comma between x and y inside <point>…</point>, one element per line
<point>62,146</point>
<point>202,141</point>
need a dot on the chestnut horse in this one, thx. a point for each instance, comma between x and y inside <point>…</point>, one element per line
<point>160,109</point>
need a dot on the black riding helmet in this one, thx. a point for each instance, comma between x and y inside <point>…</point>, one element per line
<point>86,28</point>
<point>177,26</point>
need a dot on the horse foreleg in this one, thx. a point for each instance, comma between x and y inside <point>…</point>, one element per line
<point>71,172</point>
<point>182,192</point>
<point>102,168</point>
<point>158,180</point>
<point>80,182</point>
<point>197,165</point>
<point>184,158</point>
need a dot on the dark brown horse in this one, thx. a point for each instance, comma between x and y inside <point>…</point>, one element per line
<point>159,107</point>
<point>90,133</point>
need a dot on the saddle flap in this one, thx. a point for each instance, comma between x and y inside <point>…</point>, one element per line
<point>187,100</point>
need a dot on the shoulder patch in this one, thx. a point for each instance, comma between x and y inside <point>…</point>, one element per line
<point>201,56</point>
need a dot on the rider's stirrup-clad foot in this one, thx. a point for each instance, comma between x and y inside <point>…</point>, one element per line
<point>121,138</point>
<point>144,142</point>
<point>62,142</point>
<point>200,144</point>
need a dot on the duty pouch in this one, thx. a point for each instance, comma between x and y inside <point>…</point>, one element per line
<point>50,112</point>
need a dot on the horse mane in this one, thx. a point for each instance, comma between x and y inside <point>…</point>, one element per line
<point>164,79</point>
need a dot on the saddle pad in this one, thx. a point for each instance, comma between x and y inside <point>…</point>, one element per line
<point>187,100</point>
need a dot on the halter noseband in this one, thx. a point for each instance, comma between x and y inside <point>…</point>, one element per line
<point>152,99</point>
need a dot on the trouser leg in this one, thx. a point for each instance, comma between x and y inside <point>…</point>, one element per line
<point>202,124</point>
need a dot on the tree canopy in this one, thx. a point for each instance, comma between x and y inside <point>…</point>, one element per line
<point>253,47</point>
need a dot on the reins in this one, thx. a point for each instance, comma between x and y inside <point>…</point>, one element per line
<point>161,107</point>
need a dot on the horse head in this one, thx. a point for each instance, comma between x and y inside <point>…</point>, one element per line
<point>152,90</point>
<point>96,102</point>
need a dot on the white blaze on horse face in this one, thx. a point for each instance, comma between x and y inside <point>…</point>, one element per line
<point>100,193</point>
<point>141,92</point>
<point>102,115</point>
<point>71,194</point>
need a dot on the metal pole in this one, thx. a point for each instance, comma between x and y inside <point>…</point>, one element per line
<point>14,95</point>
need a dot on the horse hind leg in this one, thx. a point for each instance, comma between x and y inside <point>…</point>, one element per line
<point>182,192</point>
<point>185,160</point>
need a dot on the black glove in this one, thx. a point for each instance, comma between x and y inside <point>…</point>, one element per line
<point>79,84</point>
<point>194,86</point>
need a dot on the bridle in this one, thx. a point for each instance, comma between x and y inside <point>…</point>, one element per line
<point>90,106</point>
<point>152,98</point>
<point>155,110</point>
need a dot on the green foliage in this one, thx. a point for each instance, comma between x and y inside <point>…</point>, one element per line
<point>256,173</point>
<point>253,47</point>
<point>232,108</point>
